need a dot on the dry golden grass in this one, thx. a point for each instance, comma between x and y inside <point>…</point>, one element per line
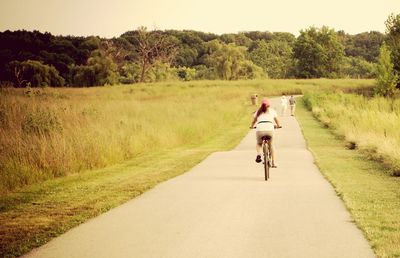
<point>371,124</point>
<point>47,133</point>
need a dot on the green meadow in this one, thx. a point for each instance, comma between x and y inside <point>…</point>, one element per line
<point>49,133</point>
<point>69,154</point>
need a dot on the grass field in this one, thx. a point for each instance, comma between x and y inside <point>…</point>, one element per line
<point>67,155</point>
<point>369,124</point>
<point>49,133</point>
<point>368,190</point>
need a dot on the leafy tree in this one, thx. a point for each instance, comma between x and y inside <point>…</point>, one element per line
<point>189,47</point>
<point>228,38</point>
<point>205,73</point>
<point>259,35</point>
<point>248,70</point>
<point>161,72</point>
<point>130,73</point>
<point>242,40</point>
<point>386,75</point>
<point>229,61</point>
<point>84,75</point>
<point>284,36</point>
<point>100,70</point>
<point>118,50</point>
<point>275,57</point>
<point>186,73</point>
<point>393,41</point>
<point>88,61</point>
<point>357,67</point>
<point>186,56</point>
<point>91,43</point>
<point>318,52</point>
<point>60,61</point>
<point>34,73</point>
<point>365,45</point>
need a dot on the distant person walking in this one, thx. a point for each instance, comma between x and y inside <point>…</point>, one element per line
<point>292,104</point>
<point>283,104</point>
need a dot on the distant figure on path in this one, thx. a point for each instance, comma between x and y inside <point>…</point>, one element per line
<point>292,104</point>
<point>264,120</point>
<point>283,104</point>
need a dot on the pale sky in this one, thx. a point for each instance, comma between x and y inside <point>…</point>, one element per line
<point>111,18</point>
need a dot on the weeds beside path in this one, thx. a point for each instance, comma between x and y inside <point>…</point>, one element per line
<point>370,193</point>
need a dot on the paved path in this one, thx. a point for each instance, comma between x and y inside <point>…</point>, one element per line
<point>224,208</point>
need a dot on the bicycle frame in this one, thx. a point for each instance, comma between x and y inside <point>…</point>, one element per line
<point>266,156</point>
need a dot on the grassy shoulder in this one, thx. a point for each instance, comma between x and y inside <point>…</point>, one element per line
<point>31,217</point>
<point>369,192</point>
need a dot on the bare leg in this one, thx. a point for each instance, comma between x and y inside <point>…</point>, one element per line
<point>259,149</point>
<point>272,148</point>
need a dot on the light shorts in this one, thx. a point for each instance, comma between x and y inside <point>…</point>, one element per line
<point>260,134</point>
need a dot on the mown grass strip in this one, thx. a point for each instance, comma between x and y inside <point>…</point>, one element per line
<point>371,195</point>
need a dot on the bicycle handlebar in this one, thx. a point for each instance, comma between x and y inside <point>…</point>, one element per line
<point>276,127</point>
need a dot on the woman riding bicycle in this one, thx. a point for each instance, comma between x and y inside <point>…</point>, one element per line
<point>264,120</point>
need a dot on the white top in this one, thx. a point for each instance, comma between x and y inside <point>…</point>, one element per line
<point>283,101</point>
<point>265,121</point>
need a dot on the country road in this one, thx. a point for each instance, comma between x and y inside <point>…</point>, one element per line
<point>224,208</point>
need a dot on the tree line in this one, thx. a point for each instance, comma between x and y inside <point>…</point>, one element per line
<point>42,59</point>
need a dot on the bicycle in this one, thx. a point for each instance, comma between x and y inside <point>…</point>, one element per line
<point>267,159</point>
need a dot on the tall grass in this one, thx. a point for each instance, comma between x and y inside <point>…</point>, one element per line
<point>371,124</point>
<point>47,133</point>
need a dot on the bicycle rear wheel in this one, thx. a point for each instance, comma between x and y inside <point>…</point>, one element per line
<point>266,162</point>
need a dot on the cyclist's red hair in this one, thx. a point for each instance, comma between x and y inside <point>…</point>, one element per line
<point>262,109</point>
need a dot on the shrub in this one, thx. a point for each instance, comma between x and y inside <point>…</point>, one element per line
<point>41,121</point>
<point>35,74</point>
<point>357,67</point>
<point>185,73</point>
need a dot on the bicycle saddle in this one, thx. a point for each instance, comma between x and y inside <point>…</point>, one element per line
<point>266,137</point>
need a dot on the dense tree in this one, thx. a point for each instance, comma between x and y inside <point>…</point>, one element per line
<point>275,57</point>
<point>189,48</point>
<point>393,41</point>
<point>100,70</point>
<point>259,35</point>
<point>153,55</point>
<point>365,45</point>
<point>319,53</point>
<point>186,74</point>
<point>386,75</point>
<point>357,67</point>
<point>130,73</point>
<point>284,37</point>
<point>34,73</point>
<point>229,61</point>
